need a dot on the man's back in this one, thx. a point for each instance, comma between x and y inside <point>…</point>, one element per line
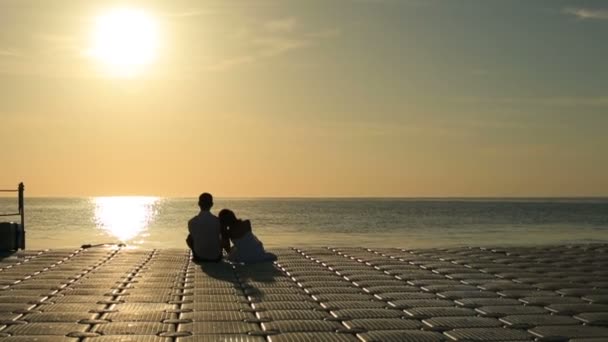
<point>205,231</point>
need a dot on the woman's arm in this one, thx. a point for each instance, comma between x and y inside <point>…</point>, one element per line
<point>246,226</point>
<point>225,239</point>
<point>240,229</point>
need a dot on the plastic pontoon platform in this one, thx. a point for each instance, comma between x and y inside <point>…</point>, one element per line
<point>548,293</point>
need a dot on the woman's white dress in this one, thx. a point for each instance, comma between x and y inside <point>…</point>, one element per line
<point>249,249</point>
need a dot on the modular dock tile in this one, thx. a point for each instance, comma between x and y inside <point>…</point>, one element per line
<point>218,291</point>
<point>57,317</point>
<point>337,289</point>
<point>85,292</point>
<point>290,315</point>
<point>421,313</point>
<point>550,300</point>
<point>25,293</point>
<point>504,285</point>
<point>79,307</point>
<point>372,283</point>
<point>338,305</point>
<point>505,310</point>
<point>594,318</point>
<point>467,294</point>
<point>597,299</point>
<point>400,296</point>
<point>232,298</point>
<point>372,324</point>
<point>22,299</point>
<point>284,306</point>
<point>581,291</point>
<point>564,333</point>
<point>39,339</point>
<point>133,328</point>
<point>401,336</point>
<point>219,316</point>
<point>312,337</point>
<point>203,328</point>
<point>60,329</point>
<point>449,323</point>
<point>141,307</point>
<point>420,303</point>
<point>14,307</point>
<point>391,289</point>
<point>142,316</point>
<point>8,316</point>
<point>76,299</point>
<point>479,302</point>
<point>342,297</point>
<point>571,309</point>
<point>221,338</point>
<point>142,298</point>
<point>530,321</point>
<point>127,338</point>
<point>348,314</point>
<point>302,326</point>
<point>488,334</point>
<point>281,298</point>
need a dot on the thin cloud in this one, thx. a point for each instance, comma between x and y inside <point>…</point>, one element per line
<point>273,38</point>
<point>281,25</point>
<point>48,54</point>
<point>324,34</point>
<point>189,13</point>
<point>8,52</point>
<point>564,101</point>
<point>276,46</point>
<point>232,62</point>
<point>587,13</point>
<point>267,47</point>
<point>599,101</point>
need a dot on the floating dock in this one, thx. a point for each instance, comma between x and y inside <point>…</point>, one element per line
<point>99,294</point>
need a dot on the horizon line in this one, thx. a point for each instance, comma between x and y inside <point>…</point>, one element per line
<point>337,197</point>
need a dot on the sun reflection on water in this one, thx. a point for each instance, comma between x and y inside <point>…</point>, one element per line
<point>125,218</point>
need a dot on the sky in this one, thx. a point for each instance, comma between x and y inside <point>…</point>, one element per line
<point>285,98</point>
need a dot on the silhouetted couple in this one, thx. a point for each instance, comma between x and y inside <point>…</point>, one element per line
<point>210,236</point>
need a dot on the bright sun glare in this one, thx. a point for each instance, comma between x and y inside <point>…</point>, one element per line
<point>125,218</point>
<point>125,41</point>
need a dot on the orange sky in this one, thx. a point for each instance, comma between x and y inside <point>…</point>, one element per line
<point>291,98</point>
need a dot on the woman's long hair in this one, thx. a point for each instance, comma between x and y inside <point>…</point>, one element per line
<point>227,218</point>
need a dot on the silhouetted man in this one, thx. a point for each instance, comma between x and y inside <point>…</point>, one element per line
<point>205,239</point>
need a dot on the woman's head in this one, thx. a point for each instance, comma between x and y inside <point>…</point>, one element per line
<point>227,218</point>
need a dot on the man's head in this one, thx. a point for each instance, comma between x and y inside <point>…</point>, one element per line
<point>205,201</point>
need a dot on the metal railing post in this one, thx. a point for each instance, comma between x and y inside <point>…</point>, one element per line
<point>21,189</point>
<point>18,229</point>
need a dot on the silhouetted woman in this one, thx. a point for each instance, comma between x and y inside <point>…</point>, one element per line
<point>246,246</point>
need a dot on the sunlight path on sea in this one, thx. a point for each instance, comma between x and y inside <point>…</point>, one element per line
<point>126,218</point>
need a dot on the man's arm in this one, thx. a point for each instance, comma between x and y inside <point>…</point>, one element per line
<point>189,240</point>
<point>190,224</point>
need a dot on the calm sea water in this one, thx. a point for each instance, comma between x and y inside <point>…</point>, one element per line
<point>161,222</point>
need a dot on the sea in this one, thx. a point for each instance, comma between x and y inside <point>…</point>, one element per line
<point>157,222</point>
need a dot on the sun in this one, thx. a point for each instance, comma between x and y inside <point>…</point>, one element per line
<point>125,41</point>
